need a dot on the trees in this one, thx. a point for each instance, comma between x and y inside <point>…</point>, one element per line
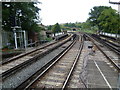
<point>24,14</point>
<point>78,24</point>
<point>49,27</point>
<point>95,13</point>
<point>109,20</point>
<point>105,18</point>
<point>86,25</point>
<point>70,25</point>
<point>56,28</point>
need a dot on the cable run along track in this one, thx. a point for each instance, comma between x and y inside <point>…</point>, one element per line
<point>18,62</point>
<point>58,73</point>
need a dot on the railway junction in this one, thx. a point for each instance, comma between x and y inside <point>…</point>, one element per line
<point>73,60</point>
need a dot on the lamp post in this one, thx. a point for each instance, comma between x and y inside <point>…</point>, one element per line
<point>15,36</point>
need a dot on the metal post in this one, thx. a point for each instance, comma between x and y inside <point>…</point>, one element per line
<point>21,39</point>
<point>15,35</point>
<point>25,39</point>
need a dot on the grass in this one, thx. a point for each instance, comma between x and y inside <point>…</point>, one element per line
<point>88,31</point>
<point>48,39</point>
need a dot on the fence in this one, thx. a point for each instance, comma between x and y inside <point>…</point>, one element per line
<point>7,38</point>
<point>110,34</point>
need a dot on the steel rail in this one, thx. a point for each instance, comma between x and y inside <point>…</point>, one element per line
<point>73,66</point>
<point>110,39</point>
<point>115,49</point>
<point>31,80</point>
<point>111,45</point>
<point>112,62</point>
<point>26,53</point>
<point>28,62</point>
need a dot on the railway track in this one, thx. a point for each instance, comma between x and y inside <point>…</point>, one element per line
<point>108,43</point>
<point>26,53</point>
<point>33,51</point>
<point>73,67</point>
<point>96,71</point>
<point>111,39</point>
<point>16,63</point>
<point>110,55</point>
<point>57,73</point>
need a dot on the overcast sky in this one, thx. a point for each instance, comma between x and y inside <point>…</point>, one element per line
<point>63,11</point>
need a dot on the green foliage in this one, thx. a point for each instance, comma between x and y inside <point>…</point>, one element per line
<point>105,18</point>
<point>24,14</point>
<point>49,27</point>
<point>70,25</point>
<point>48,39</point>
<point>95,13</point>
<point>109,20</point>
<point>78,24</point>
<point>56,28</point>
<point>87,31</point>
<point>86,25</point>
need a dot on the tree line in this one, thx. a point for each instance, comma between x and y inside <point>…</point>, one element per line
<point>101,18</point>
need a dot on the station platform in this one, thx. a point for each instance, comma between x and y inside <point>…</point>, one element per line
<point>96,71</point>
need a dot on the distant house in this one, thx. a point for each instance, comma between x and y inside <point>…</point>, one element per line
<point>33,36</point>
<point>44,32</point>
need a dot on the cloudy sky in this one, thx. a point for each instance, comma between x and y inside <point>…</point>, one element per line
<point>63,11</point>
